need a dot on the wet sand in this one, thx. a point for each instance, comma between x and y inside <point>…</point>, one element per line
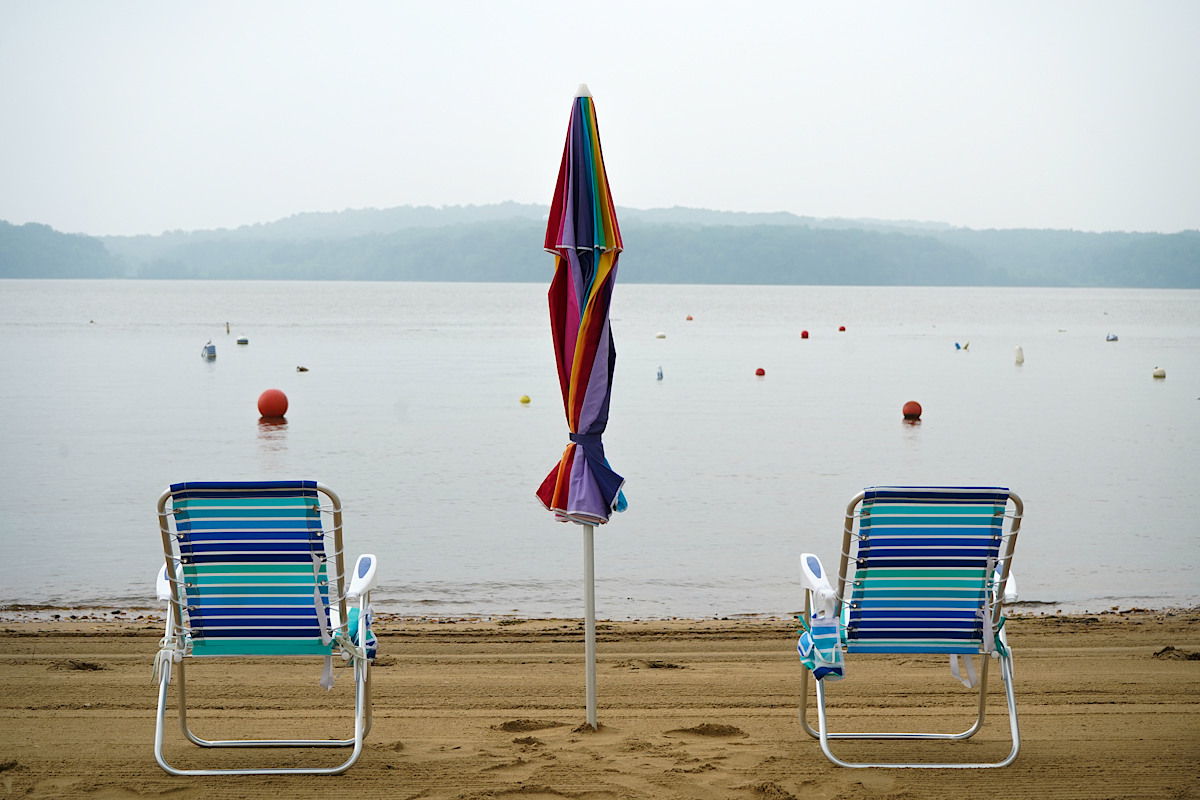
<point>688,709</point>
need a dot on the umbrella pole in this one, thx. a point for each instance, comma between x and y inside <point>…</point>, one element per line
<point>589,632</point>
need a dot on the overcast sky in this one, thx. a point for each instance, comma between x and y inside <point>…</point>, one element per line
<point>130,117</point>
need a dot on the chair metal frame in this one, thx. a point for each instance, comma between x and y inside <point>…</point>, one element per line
<point>1003,590</point>
<point>176,645</point>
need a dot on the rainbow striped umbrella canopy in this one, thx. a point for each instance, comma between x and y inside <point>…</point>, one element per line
<point>583,236</point>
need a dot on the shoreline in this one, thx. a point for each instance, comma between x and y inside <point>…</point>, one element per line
<point>64,615</point>
<point>99,621</point>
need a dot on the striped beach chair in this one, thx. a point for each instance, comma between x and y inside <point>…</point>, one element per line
<point>924,570</point>
<point>252,570</point>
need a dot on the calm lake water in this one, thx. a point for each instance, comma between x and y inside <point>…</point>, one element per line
<point>410,410</point>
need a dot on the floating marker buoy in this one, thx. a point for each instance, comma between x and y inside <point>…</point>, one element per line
<point>226,327</point>
<point>1159,372</point>
<point>689,317</point>
<point>243,340</point>
<point>912,410</point>
<point>803,334</point>
<point>660,335</point>
<point>1020,355</point>
<point>660,373</point>
<point>842,328</point>
<point>760,372</point>
<point>272,404</point>
<point>524,399</point>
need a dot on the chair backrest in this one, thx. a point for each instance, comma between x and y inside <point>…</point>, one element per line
<point>925,568</point>
<point>249,565</point>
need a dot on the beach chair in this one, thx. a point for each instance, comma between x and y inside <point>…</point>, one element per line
<point>924,570</point>
<point>251,571</point>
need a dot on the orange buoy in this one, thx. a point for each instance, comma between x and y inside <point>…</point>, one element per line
<point>803,334</point>
<point>689,318</point>
<point>760,371</point>
<point>842,328</point>
<point>272,404</point>
<point>912,410</point>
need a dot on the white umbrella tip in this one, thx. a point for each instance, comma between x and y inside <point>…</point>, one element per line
<point>583,91</point>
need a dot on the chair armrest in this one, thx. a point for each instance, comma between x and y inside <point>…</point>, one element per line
<point>1010,589</point>
<point>814,579</point>
<point>364,576</point>
<point>163,585</point>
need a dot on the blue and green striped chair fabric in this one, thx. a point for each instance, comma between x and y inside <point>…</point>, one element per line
<point>924,563</point>
<point>254,568</point>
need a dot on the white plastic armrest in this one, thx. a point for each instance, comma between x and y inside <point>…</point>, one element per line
<point>813,578</point>
<point>364,577</point>
<point>1010,589</point>
<point>163,585</point>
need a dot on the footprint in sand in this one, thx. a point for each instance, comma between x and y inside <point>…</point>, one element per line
<point>647,664</point>
<point>526,725</point>
<point>1171,653</point>
<point>530,741</point>
<point>711,729</point>
<point>770,790</point>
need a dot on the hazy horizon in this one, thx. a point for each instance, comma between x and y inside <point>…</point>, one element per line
<point>849,221</point>
<point>139,118</point>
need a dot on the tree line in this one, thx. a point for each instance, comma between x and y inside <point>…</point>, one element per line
<point>504,243</point>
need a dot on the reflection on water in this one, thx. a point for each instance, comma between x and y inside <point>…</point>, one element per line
<point>272,443</point>
<point>911,428</point>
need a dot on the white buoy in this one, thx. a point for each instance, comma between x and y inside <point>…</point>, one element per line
<point>660,335</point>
<point>1159,372</point>
<point>1020,355</point>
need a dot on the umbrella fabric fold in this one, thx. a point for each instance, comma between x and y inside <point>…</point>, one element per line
<point>583,235</point>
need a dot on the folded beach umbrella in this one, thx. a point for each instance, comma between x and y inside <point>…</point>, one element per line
<point>582,234</point>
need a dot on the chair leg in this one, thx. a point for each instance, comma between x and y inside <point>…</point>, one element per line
<point>366,692</point>
<point>362,725</point>
<point>804,680</point>
<point>825,736</point>
<point>164,680</point>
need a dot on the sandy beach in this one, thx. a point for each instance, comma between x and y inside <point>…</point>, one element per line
<point>1109,707</point>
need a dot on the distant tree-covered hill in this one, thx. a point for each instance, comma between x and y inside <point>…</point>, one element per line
<point>503,242</point>
<point>38,251</point>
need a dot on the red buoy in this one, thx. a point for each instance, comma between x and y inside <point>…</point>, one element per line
<point>803,334</point>
<point>760,371</point>
<point>272,404</point>
<point>841,327</point>
<point>912,410</point>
